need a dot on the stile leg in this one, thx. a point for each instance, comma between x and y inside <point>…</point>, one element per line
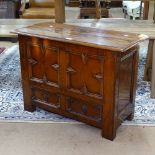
<point>109,115</point>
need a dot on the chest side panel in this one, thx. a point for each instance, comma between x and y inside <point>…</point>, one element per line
<point>127,82</point>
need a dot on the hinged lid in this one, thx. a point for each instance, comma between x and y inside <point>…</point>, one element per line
<point>98,38</point>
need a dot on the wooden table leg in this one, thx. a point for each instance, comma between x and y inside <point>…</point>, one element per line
<point>148,66</point>
<point>154,13</point>
<point>146,10</point>
<point>59,11</point>
<point>153,72</point>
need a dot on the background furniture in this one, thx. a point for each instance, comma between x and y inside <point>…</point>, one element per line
<point>76,3</point>
<point>133,9</point>
<point>93,9</point>
<point>87,74</point>
<point>59,11</point>
<point>146,9</point>
<point>115,3</point>
<point>154,13</point>
<point>38,9</point>
<point>9,8</point>
<point>73,3</point>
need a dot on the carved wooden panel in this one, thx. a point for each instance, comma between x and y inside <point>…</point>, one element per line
<point>45,97</point>
<point>84,109</point>
<point>85,74</point>
<point>90,83</point>
<point>44,64</point>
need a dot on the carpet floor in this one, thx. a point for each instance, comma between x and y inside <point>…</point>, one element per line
<point>73,139</point>
<point>11,97</point>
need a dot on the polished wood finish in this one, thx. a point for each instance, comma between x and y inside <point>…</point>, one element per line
<point>111,40</point>
<point>118,24</point>
<point>86,74</point>
<point>124,25</point>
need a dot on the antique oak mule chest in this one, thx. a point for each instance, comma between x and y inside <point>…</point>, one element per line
<point>82,73</point>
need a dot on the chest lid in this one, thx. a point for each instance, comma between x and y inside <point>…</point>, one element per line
<point>92,37</point>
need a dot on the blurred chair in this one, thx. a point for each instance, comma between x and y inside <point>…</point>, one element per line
<point>38,9</point>
<point>133,9</point>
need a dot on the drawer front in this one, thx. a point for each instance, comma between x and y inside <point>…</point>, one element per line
<point>43,62</point>
<point>43,97</point>
<point>84,110</point>
<point>84,72</point>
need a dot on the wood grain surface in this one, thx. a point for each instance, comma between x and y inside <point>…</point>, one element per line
<point>86,74</point>
<point>146,27</point>
<point>105,39</point>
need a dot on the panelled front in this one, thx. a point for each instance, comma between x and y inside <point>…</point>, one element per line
<point>84,72</point>
<point>43,63</point>
<point>66,79</point>
<point>44,73</point>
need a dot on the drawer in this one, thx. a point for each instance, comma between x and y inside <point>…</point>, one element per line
<point>84,110</point>
<point>45,98</point>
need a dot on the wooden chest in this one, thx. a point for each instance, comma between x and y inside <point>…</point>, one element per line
<point>82,73</point>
